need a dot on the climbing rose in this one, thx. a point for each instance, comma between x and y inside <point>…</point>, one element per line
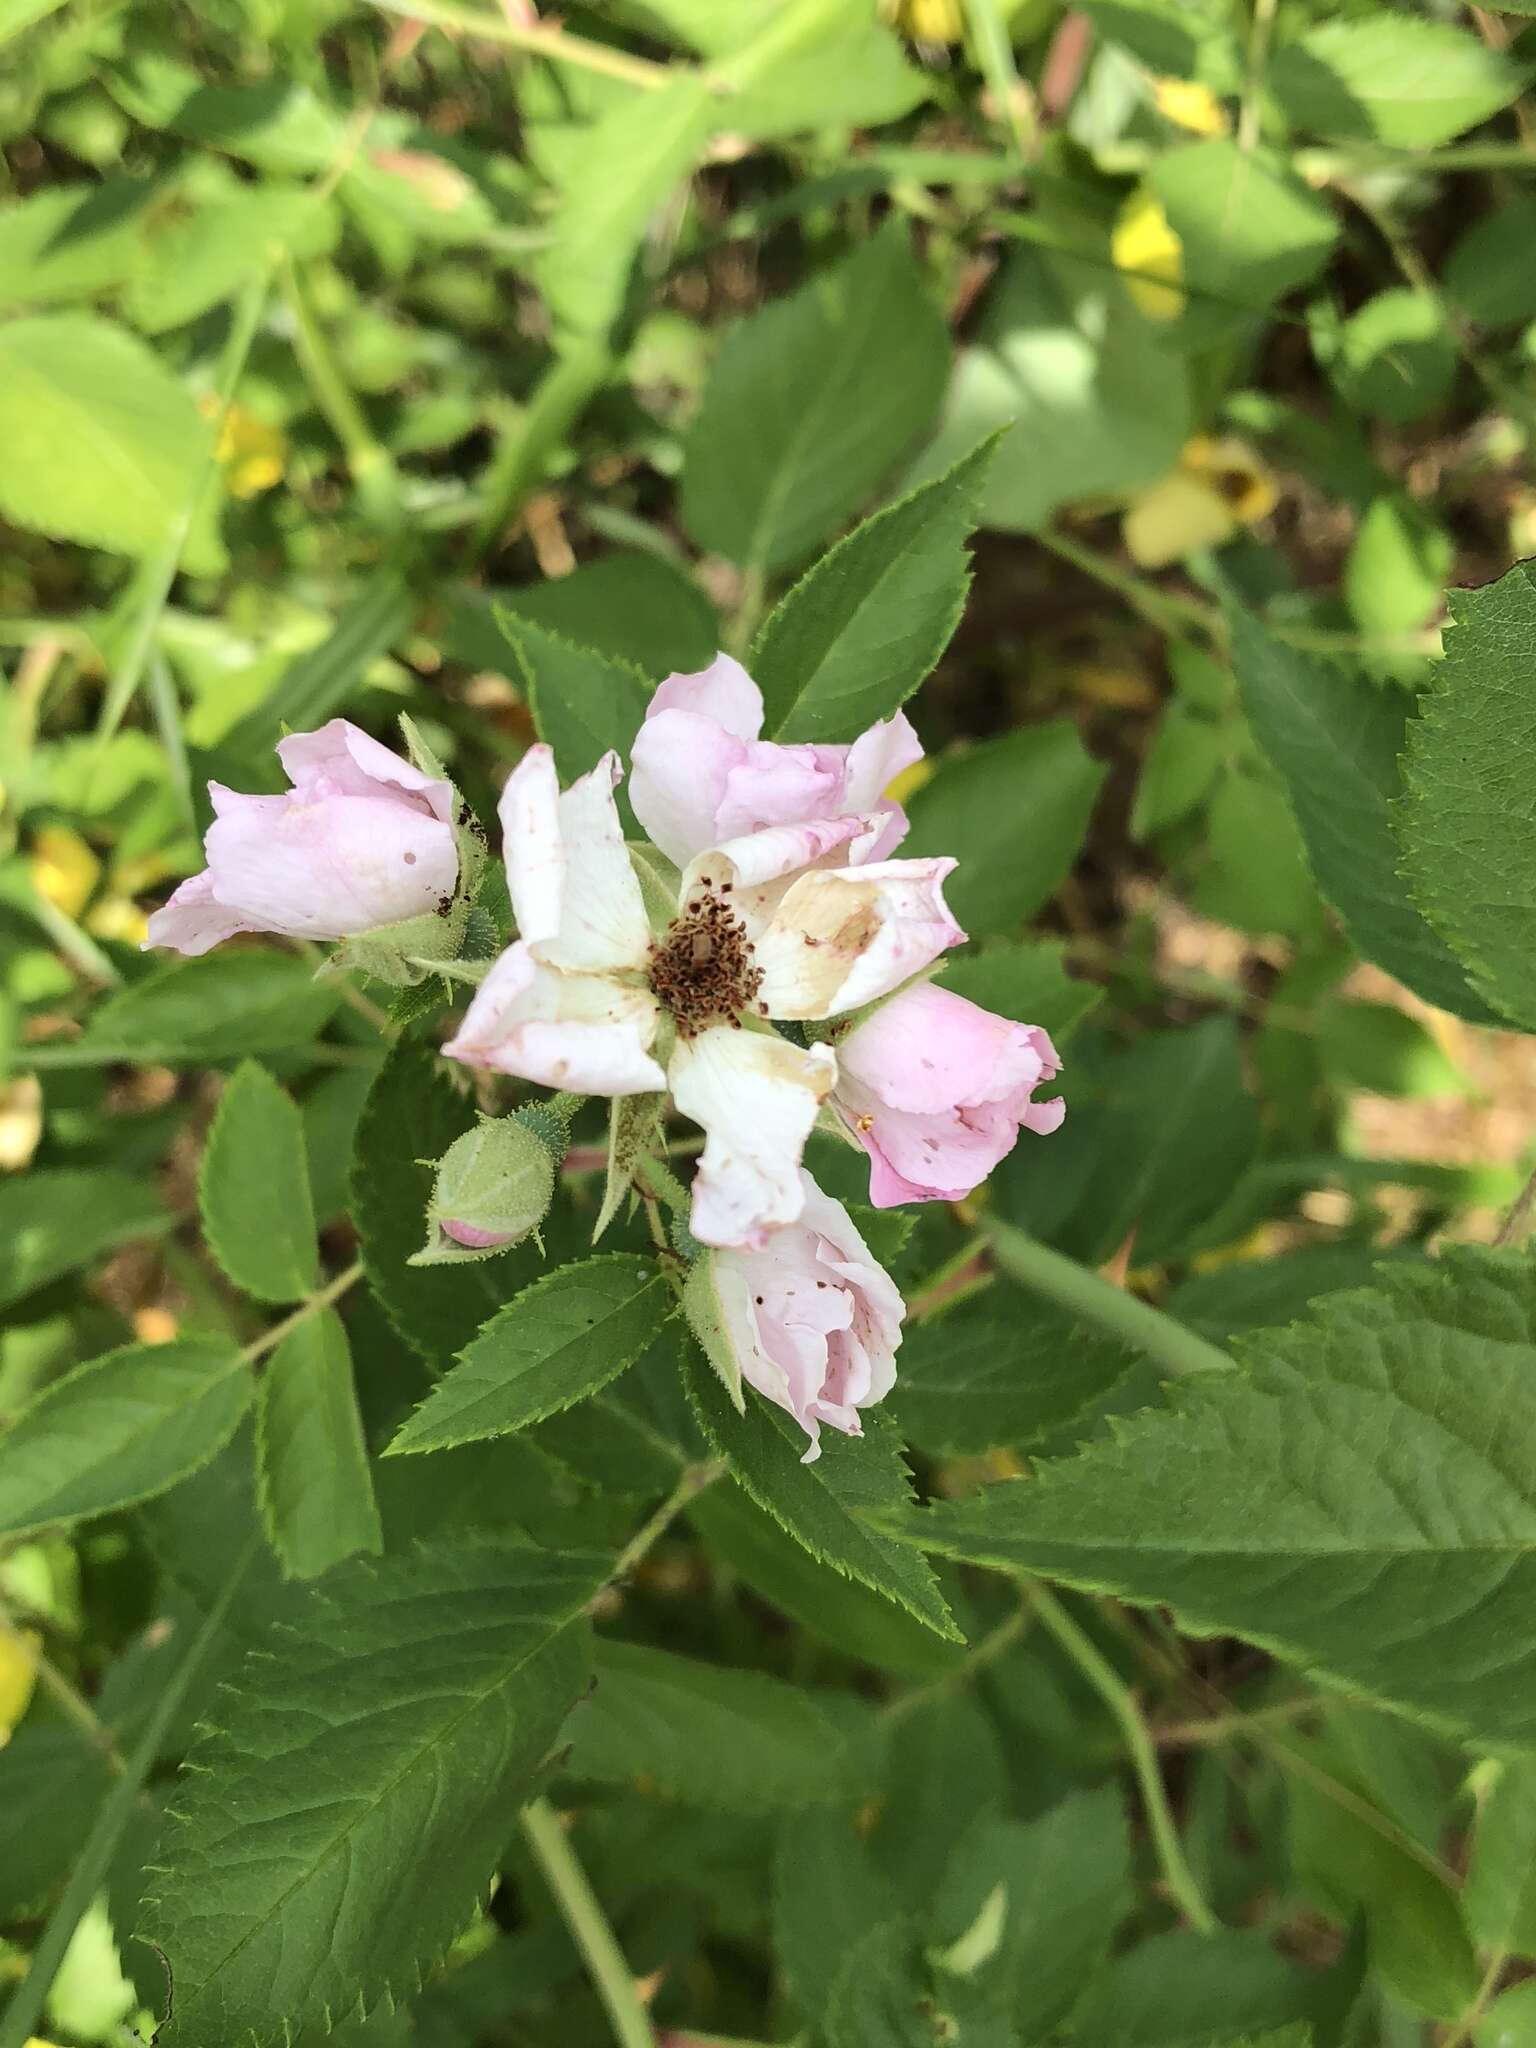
<point>361,840</point>
<point>792,921</point>
<point>812,1319</point>
<point>936,1090</point>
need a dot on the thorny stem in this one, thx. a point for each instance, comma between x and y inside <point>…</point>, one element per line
<point>1085,1293</point>
<point>1516,1226</point>
<point>539,39</point>
<point>321,1299</point>
<point>579,1905</point>
<point>588,1924</point>
<point>1116,1696</point>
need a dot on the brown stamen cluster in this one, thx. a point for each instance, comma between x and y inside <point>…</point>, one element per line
<point>702,967</point>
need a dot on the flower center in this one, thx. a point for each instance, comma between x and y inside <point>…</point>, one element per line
<point>702,966</point>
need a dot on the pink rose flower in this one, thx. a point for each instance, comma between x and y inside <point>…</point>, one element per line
<point>700,776</point>
<point>936,1090</point>
<point>811,1319</point>
<point>363,839</point>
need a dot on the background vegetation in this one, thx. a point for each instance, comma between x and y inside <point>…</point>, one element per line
<point>341,337</point>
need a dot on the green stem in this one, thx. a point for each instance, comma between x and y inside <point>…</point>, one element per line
<point>371,465</point>
<point>522,460</point>
<point>1164,609</point>
<point>539,40</point>
<point>1087,1294</point>
<point>322,1299</point>
<point>693,1482</point>
<point>588,1924</point>
<point>160,573</point>
<point>1177,1874</point>
<point>19,2023</point>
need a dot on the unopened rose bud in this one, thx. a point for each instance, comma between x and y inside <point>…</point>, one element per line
<point>364,848</point>
<point>493,1187</point>
<point>812,1321</point>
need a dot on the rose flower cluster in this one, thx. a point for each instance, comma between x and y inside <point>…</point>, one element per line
<point>770,894</point>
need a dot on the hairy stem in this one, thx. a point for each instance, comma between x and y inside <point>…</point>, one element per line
<point>1177,1874</point>
<point>321,1299</point>
<point>1097,1300</point>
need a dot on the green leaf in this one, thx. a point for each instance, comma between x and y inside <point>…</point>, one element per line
<point>1336,738</point>
<point>1025,981</point>
<point>331,1840</point>
<point>1380,1047</point>
<point>1393,78</point>
<point>311,1464</point>
<point>118,1430</point>
<point>851,641</point>
<point>193,1012</point>
<point>1171,40</point>
<point>842,1613</point>
<point>881,1997</point>
<point>1357,1861</point>
<point>1100,401</point>
<point>1014,812</point>
<point>253,1190</point>
<point>1395,574</point>
<point>552,1345</point>
<point>638,608</point>
<point>582,702</point>
<point>1223,1990</point>
<point>1251,232</point>
<point>321,680</point>
<point>1395,357</point>
<point>103,444</point>
<point>1358,1499</point>
<point>199,261</point>
<point>1486,276</point>
<point>1500,1895</point>
<point>54,1220</point>
<point>600,217</point>
<point>701,1734</point>
<point>1467,825</point>
<point>1253,869</point>
<point>1182,762</point>
<point>823,1505</point>
<point>71,241</point>
<point>811,403</point>
<point>1002,1369</point>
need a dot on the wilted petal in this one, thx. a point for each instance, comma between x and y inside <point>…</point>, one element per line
<point>322,865</point>
<point>845,937</point>
<point>756,1096</point>
<point>576,1031</point>
<point>812,1318</point>
<point>193,920</point>
<point>753,872</point>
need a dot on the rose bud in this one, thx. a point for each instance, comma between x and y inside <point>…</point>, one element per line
<point>363,844</point>
<point>493,1187</point>
<point>936,1090</point>
<point>811,1321</point>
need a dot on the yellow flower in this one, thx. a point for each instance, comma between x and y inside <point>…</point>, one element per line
<point>927,21</point>
<point>1219,485</point>
<point>250,452</point>
<point>1146,248</point>
<point>63,869</point>
<point>116,918</point>
<point>909,781</point>
<point>21,1121</point>
<point>19,1650</point>
<point>1190,105</point>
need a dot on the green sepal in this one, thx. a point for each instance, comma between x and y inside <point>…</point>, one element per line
<point>634,1124</point>
<point>498,1177</point>
<point>706,1319</point>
